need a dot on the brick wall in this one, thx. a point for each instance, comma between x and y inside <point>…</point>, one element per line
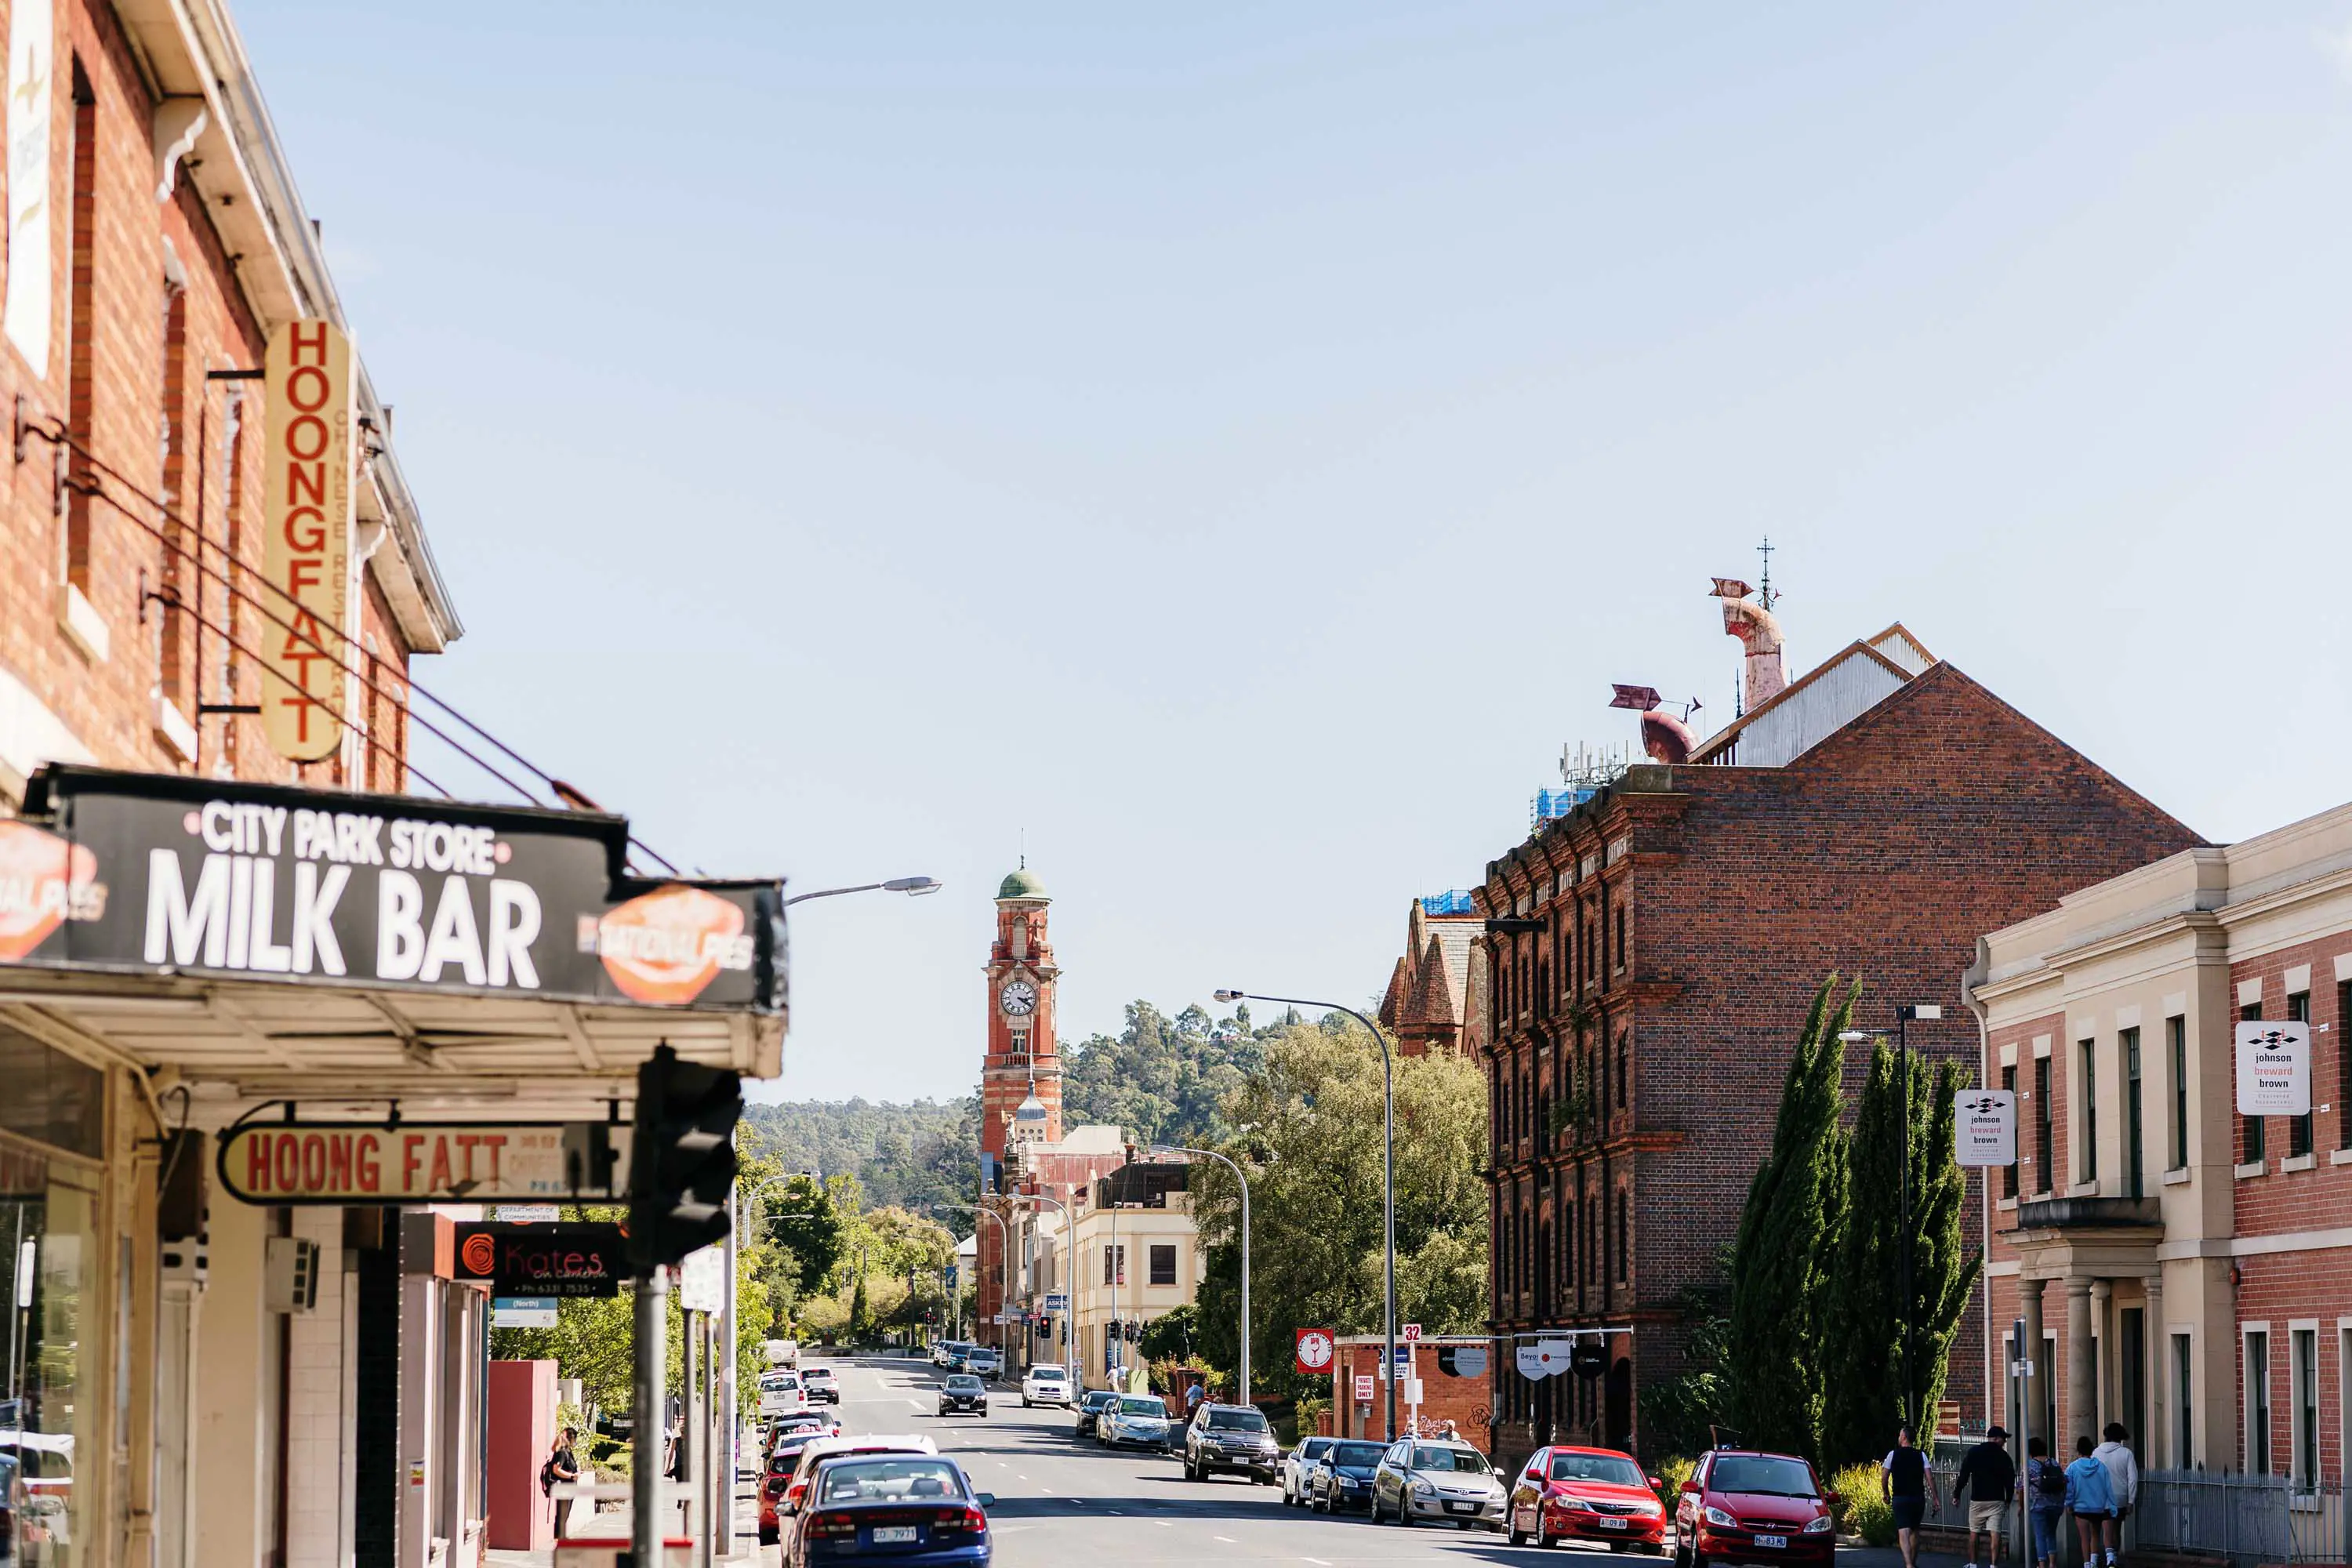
<point>1464,1401</point>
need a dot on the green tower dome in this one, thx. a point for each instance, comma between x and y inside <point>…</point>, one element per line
<point>1021,884</point>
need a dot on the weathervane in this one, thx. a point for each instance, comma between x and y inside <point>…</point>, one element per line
<point>1765,596</point>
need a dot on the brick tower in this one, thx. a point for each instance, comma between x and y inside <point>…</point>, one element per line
<point>1022,1061</point>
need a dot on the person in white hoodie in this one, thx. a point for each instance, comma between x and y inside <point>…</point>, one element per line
<point>2123,1479</point>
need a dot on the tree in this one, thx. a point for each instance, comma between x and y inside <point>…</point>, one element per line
<point>1865,1384</point>
<point>1677,1411</point>
<point>1786,1246</point>
<point>1163,1080</point>
<point>1313,1107</point>
<point>1172,1335</point>
<point>804,1216</point>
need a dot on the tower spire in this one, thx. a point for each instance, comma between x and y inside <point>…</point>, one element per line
<point>1764,595</point>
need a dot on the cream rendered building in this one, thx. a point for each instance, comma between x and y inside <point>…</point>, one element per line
<point>1125,1251</point>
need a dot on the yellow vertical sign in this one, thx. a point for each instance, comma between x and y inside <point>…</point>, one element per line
<point>305,539</point>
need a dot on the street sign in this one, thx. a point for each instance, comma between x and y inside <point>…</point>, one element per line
<point>351,1164</point>
<point>1985,1127</point>
<point>1413,1391</point>
<point>702,1281</point>
<point>951,1275</point>
<point>1410,1333</point>
<point>578,1259</point>
<point>1364,1387</point>
<point>2273,1068</point>
<point>522,1312</point>
<point>526,1213</point>
<point>1056,1301</point>
<point>1313,1350</point>
<point>1403,1359</point>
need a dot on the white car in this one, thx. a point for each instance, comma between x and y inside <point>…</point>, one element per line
<point>1045,1384</point>
<point>781,1393</point>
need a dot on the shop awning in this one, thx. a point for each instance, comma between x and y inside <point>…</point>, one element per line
<point>273,942</point>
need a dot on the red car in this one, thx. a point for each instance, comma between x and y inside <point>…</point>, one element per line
<point>1586,1494</point>
<point>783,1458</point>
<point>1740,1506</point>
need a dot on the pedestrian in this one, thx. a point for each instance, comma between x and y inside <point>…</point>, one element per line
<point>1903,1481</point>
<point>2090,1497</point>
<point>2123,1482</point>
<point>2045,1500</point>
<point>1988,1475</point>
<point>562,1468</point>
<point>1191,1400</point>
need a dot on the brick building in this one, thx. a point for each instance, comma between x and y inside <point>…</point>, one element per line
<point>1021,1071</point>
<point>1437,998</point>
<point>1666,937</point>
<point>1454,1386</point>
<point>2203,1258</point>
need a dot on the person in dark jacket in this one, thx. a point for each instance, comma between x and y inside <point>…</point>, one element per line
<point>563,1469</point>
<point>1988,1476</point>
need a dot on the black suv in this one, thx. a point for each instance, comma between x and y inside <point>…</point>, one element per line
<point>1230,1438</point>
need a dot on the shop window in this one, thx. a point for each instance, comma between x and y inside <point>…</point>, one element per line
<point>51,1097</point>
<point>1164,1263</point>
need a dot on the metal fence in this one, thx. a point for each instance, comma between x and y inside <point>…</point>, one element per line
<point>2252,1520</point>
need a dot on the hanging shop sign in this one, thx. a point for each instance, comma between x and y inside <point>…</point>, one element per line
<point>1533,1363</point>
<point>424,1162</point>
<point>1462,1361</point>
<point>1590,1359</point>
<point>582,1258</point>
<point>162,874</point>
<point>1984,1127</point>
<point>305,539</point>
<point>1312,1352</point>
<point>2273,1068</point>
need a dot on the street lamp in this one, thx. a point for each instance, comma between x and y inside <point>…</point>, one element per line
<point>1004,1240</point>
<point>1237,1169</point>
<point>1388,1175</point>
<point>913,887</point>
<point>1068,1264</point>
<point>1926,1012</point>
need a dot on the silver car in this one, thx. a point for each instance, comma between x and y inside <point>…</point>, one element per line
<point>1136,1421</point>
<point>1440,1481</point>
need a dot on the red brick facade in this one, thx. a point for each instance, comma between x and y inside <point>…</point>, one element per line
<point>1023,1058</point>
<point>1685,917</point>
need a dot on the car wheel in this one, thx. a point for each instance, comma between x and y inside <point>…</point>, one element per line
<point>1376,1509</point>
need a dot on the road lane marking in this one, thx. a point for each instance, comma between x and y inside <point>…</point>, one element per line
<point>1163,1524</point>
<point>1317,1561</point>
<point>1226,1539</point>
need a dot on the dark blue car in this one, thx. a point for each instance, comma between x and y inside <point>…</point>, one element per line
<point>1342,1478</point>
<point>912,1510</point>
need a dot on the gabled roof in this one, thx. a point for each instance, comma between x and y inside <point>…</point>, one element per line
<point>1805,688</point>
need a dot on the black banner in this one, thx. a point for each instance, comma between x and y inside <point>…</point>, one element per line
<point>160,874</point>
<point>587,1257</point>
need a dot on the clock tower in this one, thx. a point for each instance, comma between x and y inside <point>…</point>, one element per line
<point>1022,1072</point>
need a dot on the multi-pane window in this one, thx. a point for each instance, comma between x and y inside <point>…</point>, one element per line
<point>2303,1367</point>
<point>2009,1172</point>
<point>2176,1039</point>
<point>1164,1263</point>
<point>2258,1403</point>
<point>1114,1264</point>
<point>2254,1145</point>
<point>2298,1128</point>
<point>2088,1052</point>
<point>2128,1040</point>
<point>2044,1130</point>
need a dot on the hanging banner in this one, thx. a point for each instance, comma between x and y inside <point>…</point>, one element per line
<point>167,875</point>
<point>2273,1068</point>
<point>1985,1127</point>
<point>305,539</point>
<point>32,48</point>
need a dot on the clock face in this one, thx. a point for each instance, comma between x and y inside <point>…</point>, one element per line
<point>1019,998</point>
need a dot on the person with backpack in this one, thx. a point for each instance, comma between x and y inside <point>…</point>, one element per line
<point>2090,1497</point>
<point>1903,1480</point>
<point>1989,1476</point>
<point>2045,1500</point>
<point>561,1467</point>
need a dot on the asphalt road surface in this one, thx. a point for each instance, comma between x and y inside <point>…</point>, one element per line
<point>1061,1499</point>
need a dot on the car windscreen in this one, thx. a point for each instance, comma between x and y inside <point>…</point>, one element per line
<point>1606,1467</point>
<point>1053,1372</point>
<point>889,1481</point>
<point>1354,1456</point>
<point>1143,1405</point>
<point>1763,1475</point>
<point>1468,1461</point>
<point>963,1382</point>
<point>1096,1398</point>
<point>1236,1421</point>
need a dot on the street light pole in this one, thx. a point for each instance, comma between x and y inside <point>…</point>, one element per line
<point>1388,1176</point>
<point>1244,1180</point>
<point>1004,1240</point>
<point>913,887</point>
<point>1062,1271</point>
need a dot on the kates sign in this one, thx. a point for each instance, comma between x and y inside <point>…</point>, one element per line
<point>1984,1127</point>
<point>424,1162</point>
<point>305,539</point>
<point>162,874</point>
<point>576,1259</point>
<point>2273,1068</point>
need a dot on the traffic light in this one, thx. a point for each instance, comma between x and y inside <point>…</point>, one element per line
<point>682,1158</point>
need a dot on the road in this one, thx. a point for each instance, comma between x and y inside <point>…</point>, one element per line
<point>1062,1501</point>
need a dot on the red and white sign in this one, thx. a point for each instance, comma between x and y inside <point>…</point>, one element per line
<point>44,881</point>
<point>1314,1350</point>
<point>1363,1388</point>
<point>1411,1333</point>
<point>305,539</point>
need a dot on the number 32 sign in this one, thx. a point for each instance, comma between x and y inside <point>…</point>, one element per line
<point>1313,1352</point>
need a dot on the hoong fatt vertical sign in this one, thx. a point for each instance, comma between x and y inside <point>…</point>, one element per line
<point>28,309</point>
<point>305,538</point>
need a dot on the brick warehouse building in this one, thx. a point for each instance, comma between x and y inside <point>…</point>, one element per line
<point>2184,1270</point>
<point>1864,819</point>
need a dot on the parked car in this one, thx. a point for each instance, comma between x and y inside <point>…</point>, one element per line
<point>984,1360</point>
<point>1232,1438</point>
<point>1135,1421</point>
<point>1295,1465</point>
<point>1091,1404</point>
<point>963,1391</point>
<point>1435,1478</point>
<point>819,1383</point>
<point>1744,1506</point>
<point>1045,1383</point>
<point>909,1509</point>
<point>1341,1480</point>
<point>783,1353</point>
<point>817,1449</point>
<point>784,1460</point>
<point>1586,1494</point>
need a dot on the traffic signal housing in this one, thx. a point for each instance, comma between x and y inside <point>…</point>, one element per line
<point>681,1157</point>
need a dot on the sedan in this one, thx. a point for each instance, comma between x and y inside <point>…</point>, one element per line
<point>1341,1480</point>
<point>1421,1478</point>
<point>1135,1421</point>
<point>915,1511</point>
<point>962,1391</point>
<point>1091,1404</point>
<point>820,1384</point>
<point>1586,1494</point>
<point>1749,1507</point>
<point>1297,1464</point>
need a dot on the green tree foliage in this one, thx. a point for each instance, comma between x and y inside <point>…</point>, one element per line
<point>912,1155</point>
<point>1313,1150</point>
<point>1865,1375</point>
<point>1786,1246</point>
<point>802,1218</point>
<point>1162,1079</point>
<point>1172,1336</point>
<point>1677,1411</point>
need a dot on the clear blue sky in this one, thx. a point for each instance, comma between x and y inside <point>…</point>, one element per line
<point>1239,445</point>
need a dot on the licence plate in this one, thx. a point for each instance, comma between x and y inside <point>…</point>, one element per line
<point>1461,1506</point>
<point>1612,1524</point>
<point>894,1535</point>
<point>1772,1541</point>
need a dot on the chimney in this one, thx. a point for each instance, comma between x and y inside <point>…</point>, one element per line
<point>1764,677</point>
<point>1664,737</point>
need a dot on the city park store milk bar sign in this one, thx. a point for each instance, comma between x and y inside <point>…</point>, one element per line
<point>163,875</point>
<point>424,1162</point>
